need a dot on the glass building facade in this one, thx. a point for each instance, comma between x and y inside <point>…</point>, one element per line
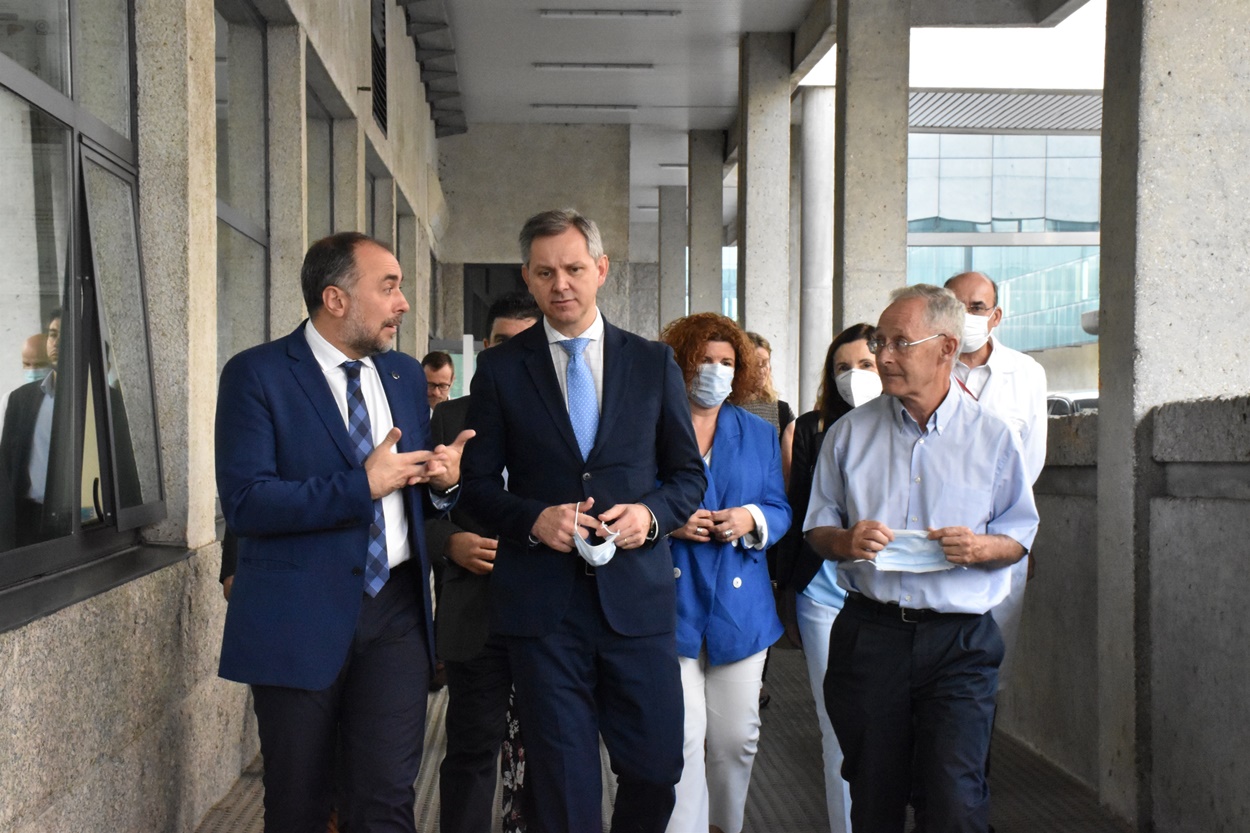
<point>1023,209</point>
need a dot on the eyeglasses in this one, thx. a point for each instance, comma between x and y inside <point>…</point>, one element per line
<point>434,386</point>
<point>978,308</point>
<point>877,346</point>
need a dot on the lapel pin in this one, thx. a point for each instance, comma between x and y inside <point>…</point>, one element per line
<point>394,375</point>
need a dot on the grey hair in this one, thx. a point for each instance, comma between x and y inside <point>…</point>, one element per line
<point>551,223</point>
<point>943,313</point>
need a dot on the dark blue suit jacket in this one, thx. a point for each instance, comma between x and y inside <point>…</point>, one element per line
<point>292,491</point>
<point>645,452</point>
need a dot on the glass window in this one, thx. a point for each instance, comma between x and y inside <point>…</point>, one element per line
<point>123,325</point>
<point>965,190</point>
<point>241,135</point>
<point>242,293</point>
<point>923,145</point>
<point>922,191</point>
<point>1019,147</point>
<point>1019,190</point>
<point>966,146</point>
<point>36,435</point>
<point>102,61</point>
<point>320,170</point>
<point>35,34</point>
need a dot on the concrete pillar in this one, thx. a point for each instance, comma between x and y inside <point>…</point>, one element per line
<point>350,211</point>
<point>706,175</point>
<point>764,194</point>
<point>1174,260</point>
<point>288,179</point>
<point>788,377</point>
<point>672,253</point>
<point>870,174</point>
<point>176,90</point>
<point>816,258</point>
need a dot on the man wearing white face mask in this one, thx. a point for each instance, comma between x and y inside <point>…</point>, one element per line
<point>1012,386</point>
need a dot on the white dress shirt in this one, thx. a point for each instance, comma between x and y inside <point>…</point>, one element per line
<point>1012,386</point>
<point>331,359</point>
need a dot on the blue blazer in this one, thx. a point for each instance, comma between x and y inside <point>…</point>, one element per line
<point>724,595</point>
<point>645,452</point>
<point>292,491</point>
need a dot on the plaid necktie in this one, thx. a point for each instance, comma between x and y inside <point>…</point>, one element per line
<point>583,403</point>
<point>377,568</point>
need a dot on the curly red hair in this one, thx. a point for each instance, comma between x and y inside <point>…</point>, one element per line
<point>687,336</point>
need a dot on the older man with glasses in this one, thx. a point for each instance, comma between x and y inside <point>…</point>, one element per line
<point>924,499</point>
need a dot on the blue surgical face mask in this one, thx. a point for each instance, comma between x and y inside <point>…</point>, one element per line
<point>36,374</point>
<point>712,385</point>
<point>596,555</point>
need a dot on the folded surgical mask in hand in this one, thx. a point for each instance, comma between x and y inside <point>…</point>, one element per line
<point>911,551</point>
<point>598,554</point>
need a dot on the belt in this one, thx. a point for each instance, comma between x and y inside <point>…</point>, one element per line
<point>910,615</point>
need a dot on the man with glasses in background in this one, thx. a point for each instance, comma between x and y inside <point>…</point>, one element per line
<point>924,499</point>
<point>440,372</point>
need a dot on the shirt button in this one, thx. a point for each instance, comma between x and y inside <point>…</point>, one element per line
<point>914,519</point>
<point>917,479</point>
<point>677,572</point>
<point>585,475</point>
<point>737,582</point>
<point>922,442</point>
<point>907,598</point>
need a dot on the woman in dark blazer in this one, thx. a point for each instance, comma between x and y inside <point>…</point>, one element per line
<point>726,617</point>
<point>810,597</point>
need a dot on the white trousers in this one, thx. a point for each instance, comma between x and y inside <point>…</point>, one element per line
<point>723,717</point>
<point>815,623</point>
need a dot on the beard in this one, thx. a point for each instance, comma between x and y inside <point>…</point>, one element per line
<point>361,339</point>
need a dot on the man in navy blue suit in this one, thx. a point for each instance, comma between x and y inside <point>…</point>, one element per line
<point>593,428</point>
<point>322,453</point>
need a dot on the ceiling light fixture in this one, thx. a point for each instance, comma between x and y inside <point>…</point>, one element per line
<point>623,67</point>
<point>609,13</point>
<point>623,107</point>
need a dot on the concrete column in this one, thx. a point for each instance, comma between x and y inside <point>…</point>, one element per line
<point>178,234</point>
<point>350,212</point>
<point>672,253</point>
<point>288,175</point>
<point>1174,261</point>
<point>706,176</point>
<point>788,376</point>
<point>816,259</point>
<point>764,194</point>
<point>870,174</point>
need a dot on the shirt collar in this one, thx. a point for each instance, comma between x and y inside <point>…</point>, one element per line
<point>327,355</point>
<point>48,384</point>
<point>594,332</point>
<point>939,419</point>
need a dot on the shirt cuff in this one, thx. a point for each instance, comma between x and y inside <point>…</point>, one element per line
<point>444,501</point>
<point>756,538</point>
<point>653,531</point>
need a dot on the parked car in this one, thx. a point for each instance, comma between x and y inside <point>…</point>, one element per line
<point>1069,402</point>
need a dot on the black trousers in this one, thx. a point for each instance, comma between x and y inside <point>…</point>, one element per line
<point>913,700</point>
<point>581,681</point>
<point>477,707</point>
<point>374,712</point>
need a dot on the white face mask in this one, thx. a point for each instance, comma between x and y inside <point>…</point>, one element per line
<point>598,554</point>
<point>712,385</point>
<point>976,332</point>
<point>856,386</point>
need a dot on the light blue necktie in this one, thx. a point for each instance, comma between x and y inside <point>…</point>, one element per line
<point>583,403</point>
<point>377,567</point>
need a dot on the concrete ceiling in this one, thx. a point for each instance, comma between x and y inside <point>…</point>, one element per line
<point>663,67</point>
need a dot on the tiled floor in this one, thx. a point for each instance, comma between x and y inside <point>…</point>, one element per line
<point>1029,795</point>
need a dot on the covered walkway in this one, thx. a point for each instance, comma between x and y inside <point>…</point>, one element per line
<point>1029,795</point>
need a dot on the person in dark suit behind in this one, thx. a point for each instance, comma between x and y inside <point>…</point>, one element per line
<point>478,678</point>
<point>593,427</point>
<point>322,439</point>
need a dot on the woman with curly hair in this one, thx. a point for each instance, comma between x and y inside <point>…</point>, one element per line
<point>726,618</point>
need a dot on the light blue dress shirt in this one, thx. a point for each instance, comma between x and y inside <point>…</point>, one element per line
<point>965,468</point>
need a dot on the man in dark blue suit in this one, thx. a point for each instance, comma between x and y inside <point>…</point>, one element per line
<point>322,443</point>
<point>593,428</point>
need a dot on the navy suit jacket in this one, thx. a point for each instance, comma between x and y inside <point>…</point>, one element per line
<point>293,492</point>
<point>645,452</point>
